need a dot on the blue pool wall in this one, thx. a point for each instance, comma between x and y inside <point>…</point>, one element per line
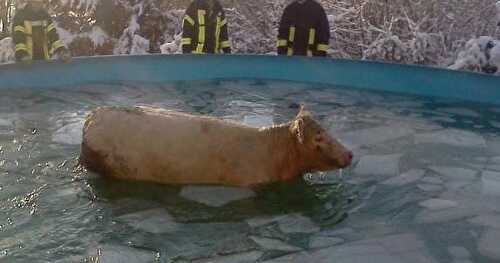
<point>369,75</point>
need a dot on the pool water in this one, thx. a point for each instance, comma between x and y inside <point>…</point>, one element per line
<point>424,185</point>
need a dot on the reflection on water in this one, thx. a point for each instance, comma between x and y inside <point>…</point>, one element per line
<point>424,187</point>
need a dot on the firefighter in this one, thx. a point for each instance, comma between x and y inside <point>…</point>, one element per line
<point>35,35</point>
<point>205,28</point>
<point>304,30</point>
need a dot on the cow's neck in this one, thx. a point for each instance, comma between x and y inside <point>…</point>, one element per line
<point>284,151</point>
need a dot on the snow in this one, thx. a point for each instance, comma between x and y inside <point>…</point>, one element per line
<point>478,54</point>
<point>452,137</point>
<point>273,244</point>
<point>6,50</point>
<point>156,221</point>
<point>386,165</point>
<point>488,244</point>
<point>405,178</point>
<point>215,196</point>
<point>438,204</point>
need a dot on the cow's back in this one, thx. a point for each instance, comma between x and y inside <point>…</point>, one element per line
<point>166,146</point>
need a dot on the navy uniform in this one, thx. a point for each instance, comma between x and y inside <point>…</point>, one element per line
<point>304,30</point>
<point>205,28</point>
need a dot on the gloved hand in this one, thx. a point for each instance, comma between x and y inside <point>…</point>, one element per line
<point>63,55</point>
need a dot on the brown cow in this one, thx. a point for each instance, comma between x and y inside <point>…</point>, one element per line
<point>157,145</point>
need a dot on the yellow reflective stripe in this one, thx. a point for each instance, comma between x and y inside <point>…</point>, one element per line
<point>201,17</point>
<point>291,35</point>
<point>322,47</point>
<point>19,29</point>
<point>218,25</point>
<point>290,51</point>
<point>312,36</point>
<point>21,46</point>
<point>282,42</point>
<point>225,44</point>
<point>56,45</point>
<point>201,32</point>
<point>189,20</point>
<point>39,23</point>
<point>186,41</point>
<point>29,45</point>
<point>28,27</point>
<point>50,28</point>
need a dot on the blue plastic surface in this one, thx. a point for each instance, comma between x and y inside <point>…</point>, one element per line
<point>416,80</point>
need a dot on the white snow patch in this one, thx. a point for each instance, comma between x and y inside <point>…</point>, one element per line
<point>215,196</point>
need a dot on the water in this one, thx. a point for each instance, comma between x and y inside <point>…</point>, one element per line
<point>424,186</point>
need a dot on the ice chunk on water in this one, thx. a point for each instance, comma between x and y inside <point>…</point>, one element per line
<point>155,221</point>
<point>215,196</point>
<point>488,244</point>
<point>438,204</point>
<point>461,111</point>
<point>389,249</point>
<point>378,165</point>
<point>490,183</point>
<point>319,241</point>
<point>459,252</point>
<point>432,180</point>
<point>376,135</point>
<point>117,254</point>
<point>487,220</point>
<point>296,223</point>
<point>452,137</point>
<point>429,187</point>
<point>69,134</point>
<point>261,221</point>
<point>274,244</point>
<point>405,178</point>
<point>447,215</point>
<point>247,257</point>
<point>455,173</point>
<point>495,124</point>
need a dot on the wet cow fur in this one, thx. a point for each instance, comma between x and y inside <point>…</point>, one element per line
<point>158,145</point>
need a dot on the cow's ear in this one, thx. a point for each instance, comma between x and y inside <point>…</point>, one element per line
<point>297,129</point>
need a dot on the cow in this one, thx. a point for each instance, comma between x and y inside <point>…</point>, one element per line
<point>169,147</point>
